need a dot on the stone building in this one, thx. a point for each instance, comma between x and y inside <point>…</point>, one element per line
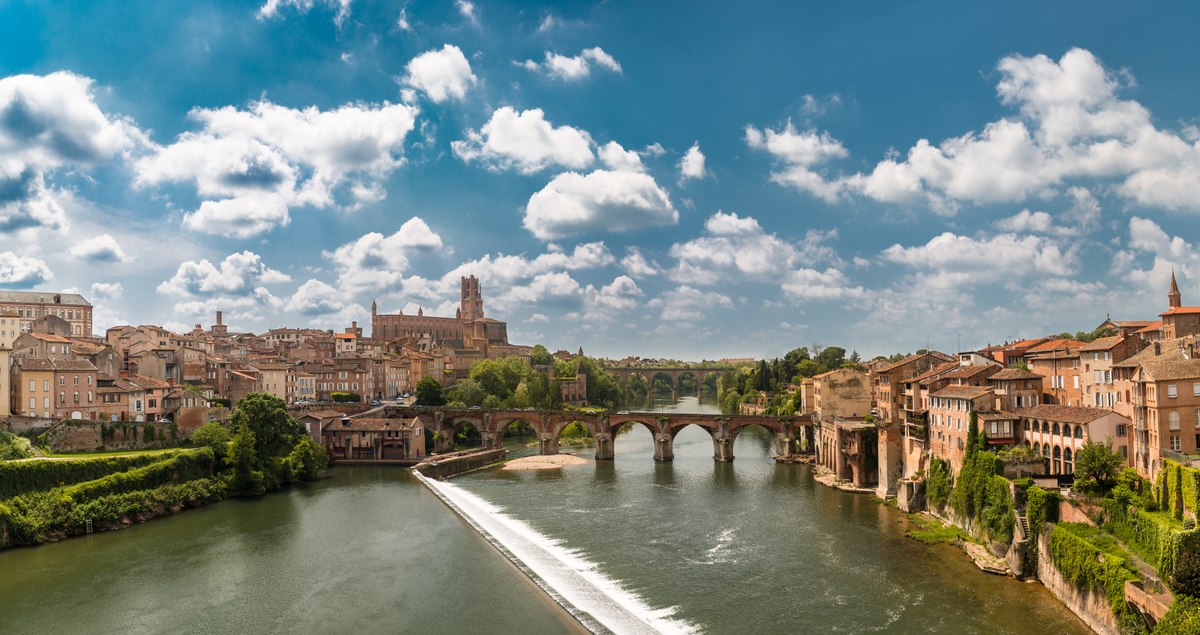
<point>469,333</point>
<point>31,305</point>
<point>843,392</point>
<point>362,439</point>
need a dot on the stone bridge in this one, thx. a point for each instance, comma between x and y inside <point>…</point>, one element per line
<point>790,434</point>
<point>674,374</point>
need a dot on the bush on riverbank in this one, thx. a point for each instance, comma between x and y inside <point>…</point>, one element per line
<point>20,477</point>
<point>14,447</point>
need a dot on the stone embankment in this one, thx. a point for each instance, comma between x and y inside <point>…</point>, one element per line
<point>446,465</point>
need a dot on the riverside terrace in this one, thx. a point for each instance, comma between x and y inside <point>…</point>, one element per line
<point>790,433</point>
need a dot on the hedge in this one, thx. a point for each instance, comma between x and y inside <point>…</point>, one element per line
<point>1182,619</point>
<point>22,477</point>
<point>185,466</point>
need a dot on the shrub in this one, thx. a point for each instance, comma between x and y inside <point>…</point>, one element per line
<point>345,397</point>
<point>1087,566</point>
<point>937,486</point>
<point>1182,619</point>
<point>31,476</point>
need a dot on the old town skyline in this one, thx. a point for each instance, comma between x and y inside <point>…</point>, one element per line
<point>302,160</point>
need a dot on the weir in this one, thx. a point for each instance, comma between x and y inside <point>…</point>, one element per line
<point>600,603</point>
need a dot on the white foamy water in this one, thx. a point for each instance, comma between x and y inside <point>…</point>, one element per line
<point>594,598</point>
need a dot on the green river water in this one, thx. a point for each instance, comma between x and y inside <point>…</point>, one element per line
<point>742,547</point>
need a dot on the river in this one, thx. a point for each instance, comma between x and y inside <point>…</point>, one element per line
<point>692,544</point>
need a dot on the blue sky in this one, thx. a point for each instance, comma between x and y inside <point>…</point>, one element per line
<point>664,179</point>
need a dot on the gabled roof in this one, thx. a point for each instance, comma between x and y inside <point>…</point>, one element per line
<point>932,373</point>
<point>890,366</point>
<point>1064,414</point>
<point>1168,369</point>
<point>1056,345</point>
<point>1151,327</point>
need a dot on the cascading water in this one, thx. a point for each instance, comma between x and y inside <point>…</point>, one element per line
<point>596,600</point>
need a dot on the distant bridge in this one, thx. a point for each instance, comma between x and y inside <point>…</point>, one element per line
<point>674,374</point>
<point>790,434</point>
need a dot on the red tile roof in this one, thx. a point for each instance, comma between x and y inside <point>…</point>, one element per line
<point>1064,414</point>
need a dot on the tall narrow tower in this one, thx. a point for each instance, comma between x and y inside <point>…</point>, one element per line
<point>1173,297</point>
<point>471,304</point>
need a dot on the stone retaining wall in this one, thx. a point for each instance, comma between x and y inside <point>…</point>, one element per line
<point>1091,607</point>
<point>99,436</point>
<point>444,467</point>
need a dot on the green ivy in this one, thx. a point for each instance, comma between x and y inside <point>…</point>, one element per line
<point>1182,619</point>
<point>937,486</point>
<point>1088,566</point>
<point>983,496</point>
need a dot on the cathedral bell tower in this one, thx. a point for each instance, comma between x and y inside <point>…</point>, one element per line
<point>471,303</point>
<point>1173,297</point>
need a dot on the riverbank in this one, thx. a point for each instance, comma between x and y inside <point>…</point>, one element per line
<point>548,462</point>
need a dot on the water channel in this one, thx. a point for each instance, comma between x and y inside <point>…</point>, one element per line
<point>748,546</point>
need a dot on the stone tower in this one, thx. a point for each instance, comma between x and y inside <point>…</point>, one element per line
<point>1173,297</point>
<point>471,304</point>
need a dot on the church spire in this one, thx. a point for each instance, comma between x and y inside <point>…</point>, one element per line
<point>1173,297</point>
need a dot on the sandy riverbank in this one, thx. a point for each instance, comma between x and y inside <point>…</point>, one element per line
<point>549,462</point>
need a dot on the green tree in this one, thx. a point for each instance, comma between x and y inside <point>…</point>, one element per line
<point>1097,464</point>
<point>470,392</point>
<point>972,433</point>
<point>308,459</point>
<point>539,356</point>
<point>275,431</point>
<point>429,393</point>
<point>247,477</point>
<point>215,436</point>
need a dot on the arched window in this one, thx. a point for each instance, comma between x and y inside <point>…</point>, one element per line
<point>1045,427</point>
<point>89,396</point>
<point>1068,461</point>
<point>75,396</point>
<point>1054,428</point>
<point>1066,429</point>
<point>1046,450</point>
<point>1079,431</point>
<point>62,397</point>
<point>1056,463</point>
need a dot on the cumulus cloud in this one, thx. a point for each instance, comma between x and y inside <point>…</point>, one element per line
<point>602,201</point>
<point>441,74</point>
<point>798,154</point>
<point>950,260</point>
<point>238,274</point>
<point>738,248</point>
<point>525,141</point>
<point>636,265</point>
<point>253,165</point>
<point>1069,125</point>
<point>615,157</point>
<point>315,298</point>
<point>23,271</point>
<point>687,304</point>
<point>376,262</point>
<point>107,291</point>
<point>49,122</point>
<point>100,249</point>
<point>574,68</point>
<point>691,166</point>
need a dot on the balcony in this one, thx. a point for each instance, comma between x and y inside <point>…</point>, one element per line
<point>916,430</point>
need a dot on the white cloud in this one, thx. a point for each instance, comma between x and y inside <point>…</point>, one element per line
<point>737,248</point>
<point>1070,126</point>
<point>615,157</point>
<point>691,166</point>
<point>246,305</point>
<point>376,262</point>
<point>525,141</point>
<point>622,294</point>
<point>467,10</point>
<point>799,153</point>
<point>812,284</point>
<point>602,201</point>
<point>254,164</point>
<point>315,298</point>
<point>636,265</point>
<point>23,271</point>
<point>951,261</point>
<point>574,68</point>
<point>48,122</point>
<point>270,8</point>
<point>402,20</point>
<point>107,291</point>
<point>100,249</point>
<point>687,304</point>
<point>238,275</point>
<point>440,74</point>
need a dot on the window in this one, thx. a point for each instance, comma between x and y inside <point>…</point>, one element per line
<point>45,402</point>
<point>1121,429</point>
<point>32,385</point>
<point>62,380</point>
<point>62,397</point>
<point>1075,381</point>
<point>1171,392</point>
<point>89,396</point>
<point>1173,420</point>
<point>32,404</point>
<point>75,380</point>
<point>1175,442</point>
<point>89,380</point>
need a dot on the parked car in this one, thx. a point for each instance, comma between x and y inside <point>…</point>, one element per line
<point>623,412</point>
<point>377,403</point>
